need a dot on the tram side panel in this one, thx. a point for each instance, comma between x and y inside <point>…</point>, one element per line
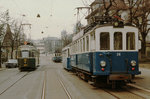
<point>73,61</point>
<point>84,62</point>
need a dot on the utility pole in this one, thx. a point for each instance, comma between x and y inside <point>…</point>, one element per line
<point>0,55</point>
<point>1,50</point>
<point>28,24</point>
<point>78,23</point>
<point>80,8</point>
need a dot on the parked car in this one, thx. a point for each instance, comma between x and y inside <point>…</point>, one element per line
<point>11,63</point>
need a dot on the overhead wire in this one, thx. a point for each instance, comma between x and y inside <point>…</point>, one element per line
<point>86,3</point>
<point>83,2</point>
<point>84,15</point>
<point>22,14</point>
<point>51,9</point>
<point>50,13</point>
<point>18,7</point>
<point>90,1</point>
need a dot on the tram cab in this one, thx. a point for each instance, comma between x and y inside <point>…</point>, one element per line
<point>28,57</point>
<point>118,49</point>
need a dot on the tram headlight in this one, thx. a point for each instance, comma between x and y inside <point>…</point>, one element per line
<point>133,63</point>
<point>103,63</point>
<point>116,24</point>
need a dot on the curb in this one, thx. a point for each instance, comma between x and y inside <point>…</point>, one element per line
<point>1,69</point>
<point>147,66</point>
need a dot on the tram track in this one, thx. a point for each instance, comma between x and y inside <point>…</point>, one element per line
<point>8,78</point>
<point>140,91</point>
<point>63,85</point>
<point>43,95</point>
<point>123,94</point>
<point>65,89</point>
<point>44,86</point>
<point>107,91</point>
<point>129,91</point>
<point>138,87</point>
<point>12,84</point>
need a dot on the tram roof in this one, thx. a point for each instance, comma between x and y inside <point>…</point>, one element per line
<point>27,47</point>
<point>82,33</point>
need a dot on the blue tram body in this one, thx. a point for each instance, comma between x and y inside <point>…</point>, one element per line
<point>116,62</point>
<point>104,52</point>
<point>66,63</point>
<point>66,59</point>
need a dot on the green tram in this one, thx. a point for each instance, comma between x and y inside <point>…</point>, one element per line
<point>28,57</point>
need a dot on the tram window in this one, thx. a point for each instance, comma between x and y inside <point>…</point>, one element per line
<point>92,41</point>
<point>32,54</point>
<point>25,54</point>
<point>130,41</point>
<point>83,44</point>
<point>78,46</point>
<point>117,41</point>
<point>104,41</point>
<point>87,43</point>
<point>73,48</point>
<point>68,54</point>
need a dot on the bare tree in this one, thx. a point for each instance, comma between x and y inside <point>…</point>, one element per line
<point>66,38</point>
<point>17,36</point>
<point>139,11</point>
<point>107,6</point>
<point>14,28</point>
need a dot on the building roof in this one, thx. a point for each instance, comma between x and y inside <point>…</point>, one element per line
<point>117,4</point>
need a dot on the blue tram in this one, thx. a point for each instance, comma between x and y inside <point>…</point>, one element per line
<point>105,52</point>
<point>28,57</point>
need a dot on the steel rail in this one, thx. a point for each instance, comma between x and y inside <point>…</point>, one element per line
<point>111,94</point>
<point>44,86</point>
<point>138,87</point>
<point>14,83</point>
<point>136,94</point>
<point>8,78</point>
<point>66,91</point>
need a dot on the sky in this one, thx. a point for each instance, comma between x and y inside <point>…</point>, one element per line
<point>55,15</point>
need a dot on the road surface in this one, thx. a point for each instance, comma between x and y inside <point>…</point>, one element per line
<point>51,81</point>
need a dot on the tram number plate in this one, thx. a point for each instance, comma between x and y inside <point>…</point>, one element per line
<point>118,54</point>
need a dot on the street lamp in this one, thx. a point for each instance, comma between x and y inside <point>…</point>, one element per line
<point>38,16</point>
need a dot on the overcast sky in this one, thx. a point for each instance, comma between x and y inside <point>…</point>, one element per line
<point>56,15</point>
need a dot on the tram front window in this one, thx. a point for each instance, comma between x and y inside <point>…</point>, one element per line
<point>104,41</point>
<point>117,41</point>
<point>130,41</point>
<point>25,54</point>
